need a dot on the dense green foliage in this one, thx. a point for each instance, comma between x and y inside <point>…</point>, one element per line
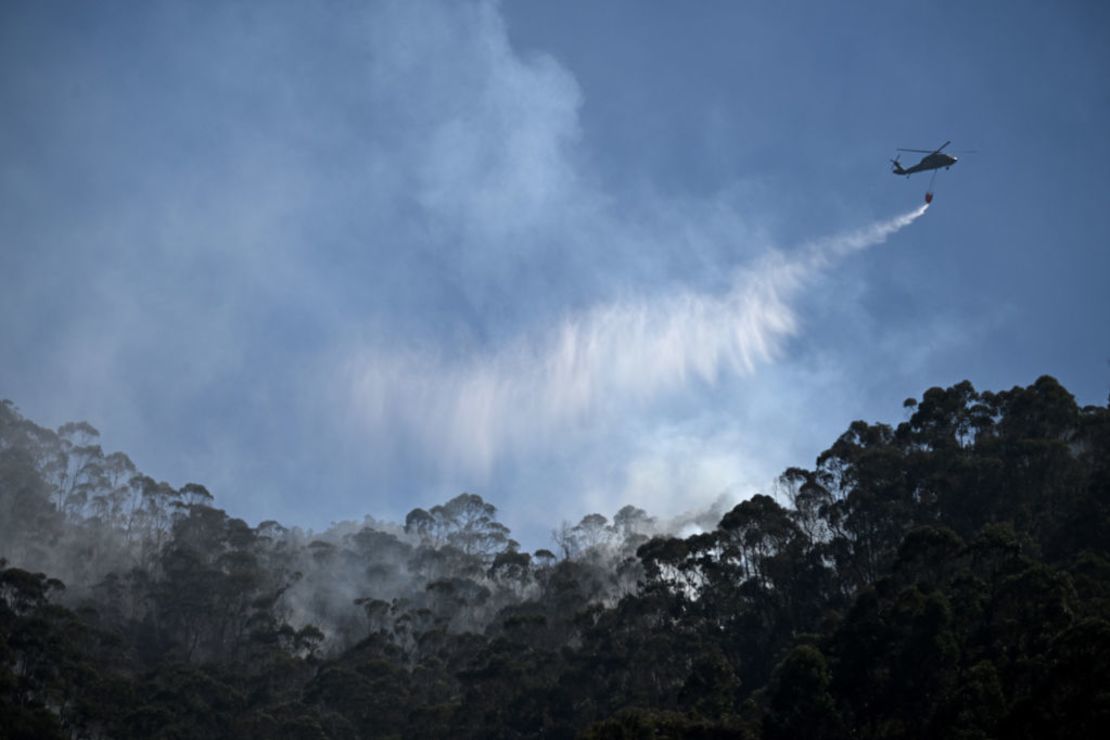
<point>949,577</point>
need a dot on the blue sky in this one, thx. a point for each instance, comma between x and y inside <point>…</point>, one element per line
<point>344,258</point>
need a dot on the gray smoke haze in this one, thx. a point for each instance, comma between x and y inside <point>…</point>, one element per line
<point>127,547</point>
<point>362,261</point>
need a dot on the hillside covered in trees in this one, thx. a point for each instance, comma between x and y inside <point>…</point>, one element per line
<point>948,577</point>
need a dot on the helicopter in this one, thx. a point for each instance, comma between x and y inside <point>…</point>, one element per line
<point>933,160</point>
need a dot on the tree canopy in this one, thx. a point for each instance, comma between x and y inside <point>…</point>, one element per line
<point>945,577</point>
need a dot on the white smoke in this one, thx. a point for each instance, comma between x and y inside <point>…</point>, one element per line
<point>594,363</point>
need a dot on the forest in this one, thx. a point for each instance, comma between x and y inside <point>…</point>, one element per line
<point>945,577</point>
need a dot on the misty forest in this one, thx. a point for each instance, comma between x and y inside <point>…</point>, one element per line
<point>945,577</point>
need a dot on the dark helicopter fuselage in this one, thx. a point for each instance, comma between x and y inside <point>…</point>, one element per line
<point>933,161</point>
